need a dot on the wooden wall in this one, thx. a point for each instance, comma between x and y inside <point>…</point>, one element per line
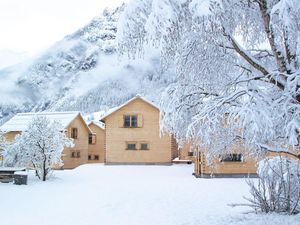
<point>174,148</point>
<point>81,144</point>
<point>98,147</point>
<point>216,167</point>
<point>10,136</point>
<point>184,153</point>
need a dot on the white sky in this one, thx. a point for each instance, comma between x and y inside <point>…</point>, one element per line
<point>33,25</point>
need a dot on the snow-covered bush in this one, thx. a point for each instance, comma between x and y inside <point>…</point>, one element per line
<point>278,187</point>
<point>39,146</point>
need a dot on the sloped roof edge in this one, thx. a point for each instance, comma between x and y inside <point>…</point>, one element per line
<point>126,103</point>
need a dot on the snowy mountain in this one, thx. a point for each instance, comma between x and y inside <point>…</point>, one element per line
<point>81,72</point>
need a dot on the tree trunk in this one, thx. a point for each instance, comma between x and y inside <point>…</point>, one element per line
<point>44,169</point>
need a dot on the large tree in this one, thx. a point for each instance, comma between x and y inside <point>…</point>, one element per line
<point>237,62</point>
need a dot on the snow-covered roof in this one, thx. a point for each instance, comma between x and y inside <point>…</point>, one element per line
<point>111,111</point>
<point>97,123</point>
<point>21,121</point>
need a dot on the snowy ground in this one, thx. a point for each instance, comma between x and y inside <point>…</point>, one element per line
<point>129,195</point>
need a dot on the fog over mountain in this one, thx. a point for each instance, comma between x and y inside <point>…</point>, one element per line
<point>9,57</point>
<point>81,72</point>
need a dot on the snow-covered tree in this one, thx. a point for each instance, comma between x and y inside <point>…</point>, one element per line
<point>3,144</point>
<point>237,63</point>
<point>12,153</point>
<point>2,140</point>
<point>39,146</point>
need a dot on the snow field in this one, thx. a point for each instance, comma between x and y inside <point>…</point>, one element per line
<point>129,195</point>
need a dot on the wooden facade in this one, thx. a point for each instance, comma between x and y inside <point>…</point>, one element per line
<point>78,155</point>
<point>186,153</point>
<point>96,152</point>
<point>10,136</point>
<point>219,168</point>
<point>132,135</point>
<point>236,163</point>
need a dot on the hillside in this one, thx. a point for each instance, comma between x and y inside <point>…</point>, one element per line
<point>81,72</point>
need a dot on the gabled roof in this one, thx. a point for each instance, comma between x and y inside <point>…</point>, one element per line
<point>113,110</point>
<point>21,121</point>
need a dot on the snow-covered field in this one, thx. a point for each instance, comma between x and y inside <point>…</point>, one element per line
<point>129,195</point>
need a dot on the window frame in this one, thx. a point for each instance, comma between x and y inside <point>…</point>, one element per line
<point>136,121</point>
<point>74,133</point>
<point>131,143</point>
<point>190,153</point>
<point>75,154</point>
<point>129,123</point>
<point>92,137</point>
<point>231,157</point>
<point>144,149</point>
<point>125,121</point>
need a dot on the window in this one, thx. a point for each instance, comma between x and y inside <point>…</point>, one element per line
<point>90,157</point>
<point>130,121</point>
<point>131,146</point>
<point>75,154</point>
<point>134,122</point>
<point>74,133</point>
<point>190,153</point>
<point>231,158</point>
<point>144,146</point>
<point>92,139</point>
<point>127,121</point>
<point>96,157</point>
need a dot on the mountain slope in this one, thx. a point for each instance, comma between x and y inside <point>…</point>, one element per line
<point>82,72</point>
